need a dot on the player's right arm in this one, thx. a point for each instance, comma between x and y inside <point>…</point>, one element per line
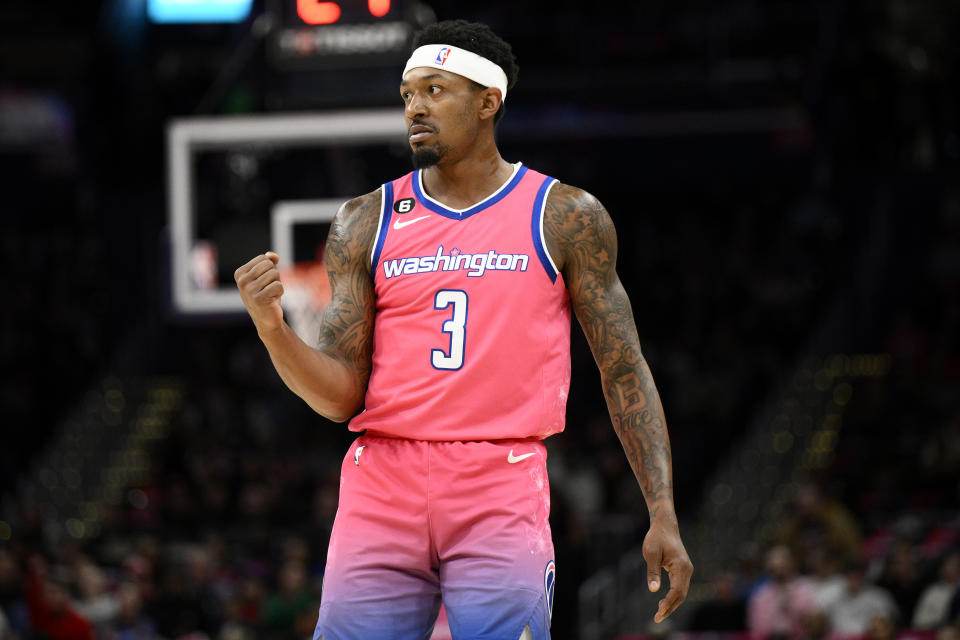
<point>331,378</point>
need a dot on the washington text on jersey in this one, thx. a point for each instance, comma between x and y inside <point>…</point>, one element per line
<point>476,263</point>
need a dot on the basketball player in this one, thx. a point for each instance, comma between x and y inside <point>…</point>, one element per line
<point>450,325</point>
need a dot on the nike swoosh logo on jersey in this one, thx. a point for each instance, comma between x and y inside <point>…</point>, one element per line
<point>512,459</point>
<point>400,225</point>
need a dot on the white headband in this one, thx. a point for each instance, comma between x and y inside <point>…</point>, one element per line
<point>461,62</point>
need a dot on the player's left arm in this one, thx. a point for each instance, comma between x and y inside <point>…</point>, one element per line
<point>582,240</point>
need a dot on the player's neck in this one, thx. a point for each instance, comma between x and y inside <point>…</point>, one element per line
<point>463,182</point>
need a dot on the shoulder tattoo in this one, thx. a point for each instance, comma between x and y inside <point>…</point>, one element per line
<point>580,234</point>
<point>347,328</point>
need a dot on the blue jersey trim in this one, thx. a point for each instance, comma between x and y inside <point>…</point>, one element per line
<point>536,226</point>
<point>386,212</point>
<point>436,207</point>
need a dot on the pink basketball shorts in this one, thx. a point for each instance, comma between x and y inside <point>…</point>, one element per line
<point>421,521</point>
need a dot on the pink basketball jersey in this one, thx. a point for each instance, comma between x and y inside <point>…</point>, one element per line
<point>472,331</point>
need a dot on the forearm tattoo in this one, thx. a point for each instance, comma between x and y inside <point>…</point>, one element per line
<point>581,234</point>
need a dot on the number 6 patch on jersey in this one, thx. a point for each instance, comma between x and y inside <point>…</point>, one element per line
<point>404,205</point>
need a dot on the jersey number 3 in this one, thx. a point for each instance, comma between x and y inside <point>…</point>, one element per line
<point>456,326</point>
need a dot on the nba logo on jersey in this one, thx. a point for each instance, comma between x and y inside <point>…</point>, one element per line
<point>442,56</point>
<point>549,582</point>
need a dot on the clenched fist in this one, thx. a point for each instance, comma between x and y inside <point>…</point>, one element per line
<point>261,289</point>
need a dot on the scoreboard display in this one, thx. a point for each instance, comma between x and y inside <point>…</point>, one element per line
<point>315,12</point>
<point>346,33</point>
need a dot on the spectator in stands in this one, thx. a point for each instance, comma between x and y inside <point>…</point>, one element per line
<point>901,577</point>
<point>820,522</point>
<point>49,605</point>
<point>859,603</point>
<point>291,608</point>
<point>138,568</point>
<point>95,603</point>
<point>953,612</point>
<point>778,607</point>
<point>130,623</point>
<point>750,570</point>
<point>724,611</point>
<point>185,602</point>
<point>948,632</point>
<point>4,627</point>
<point>881,627</point>
<point>931,610</point>
<point>237,620</point>
<point>245,607</point>
<point>814,626</point>
<point>825,578</point>
<point>11,590</point>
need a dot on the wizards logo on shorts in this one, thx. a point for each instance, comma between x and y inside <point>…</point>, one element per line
<point>549,582</point>
<point>442,56</point>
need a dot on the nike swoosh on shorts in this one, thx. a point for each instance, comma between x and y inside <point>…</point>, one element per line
<point>512,459</point>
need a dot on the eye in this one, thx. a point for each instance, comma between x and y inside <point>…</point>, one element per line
<point>435,88</point>
<point>405,95</point>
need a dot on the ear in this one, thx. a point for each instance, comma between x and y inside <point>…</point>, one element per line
<point>490,101</point>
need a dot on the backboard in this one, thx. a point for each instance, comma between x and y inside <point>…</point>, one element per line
<point>195,260</point>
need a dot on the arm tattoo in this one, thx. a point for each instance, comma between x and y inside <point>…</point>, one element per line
<point>346,333</point>
<point>580,234</point>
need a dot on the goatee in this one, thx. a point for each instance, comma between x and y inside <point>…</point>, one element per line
<point>427,156</point>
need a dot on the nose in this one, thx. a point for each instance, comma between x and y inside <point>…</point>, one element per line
<point>415,107</point>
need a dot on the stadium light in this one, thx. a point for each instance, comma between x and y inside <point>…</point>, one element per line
<point>198,11</point>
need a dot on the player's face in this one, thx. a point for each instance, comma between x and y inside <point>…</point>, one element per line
<point>441,113</point>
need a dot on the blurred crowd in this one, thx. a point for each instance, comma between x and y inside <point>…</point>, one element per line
<point>872,546</point>
<point>821,578</point>
<point>225,538</point>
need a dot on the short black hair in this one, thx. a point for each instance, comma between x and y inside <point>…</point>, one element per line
<point>475,37</point>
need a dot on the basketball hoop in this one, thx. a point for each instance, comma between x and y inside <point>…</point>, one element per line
<point>306,293</point>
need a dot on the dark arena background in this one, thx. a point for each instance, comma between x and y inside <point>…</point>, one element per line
<point>784,176</point>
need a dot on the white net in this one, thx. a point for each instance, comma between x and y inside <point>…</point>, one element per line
<point>306,293</point>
